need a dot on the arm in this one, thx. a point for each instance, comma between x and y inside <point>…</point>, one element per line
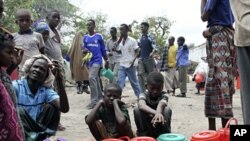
<point>91,117</point>
<point>124,126</point>
<point>153,44</point>
<point>145,108</point>
<point>64,103</point>
<point>104,53</point>
<point>159,118</point>
<point>208,8</point>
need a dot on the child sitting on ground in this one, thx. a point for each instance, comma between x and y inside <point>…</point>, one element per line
<point>110,118</point>
<point>152,116</point>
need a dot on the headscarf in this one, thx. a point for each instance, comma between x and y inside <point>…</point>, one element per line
<point>28,64</point>
<point>41,26</point>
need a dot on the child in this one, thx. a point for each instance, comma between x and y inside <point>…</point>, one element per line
<point>201,69</point>
<point>31,42</point>
<point>152,116</point>
<point>10,58</point>
<point>109,118</point>
<point>42,27</point>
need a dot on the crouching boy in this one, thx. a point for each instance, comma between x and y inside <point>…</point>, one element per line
<point>109,118</point>
<point>152,116</point>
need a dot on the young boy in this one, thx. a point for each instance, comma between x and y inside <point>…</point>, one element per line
<point>31,42</point>
<point>42,27</point>
<point>152,116</point>
<point>109,118</point>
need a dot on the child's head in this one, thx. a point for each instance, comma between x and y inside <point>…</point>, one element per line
<point>6,48</point>
<point>53,18</point>
<point>43,28</point>
<point>155,83</point>
<point>111,92</point>
<point>181,41</point>
<point>23,19</point>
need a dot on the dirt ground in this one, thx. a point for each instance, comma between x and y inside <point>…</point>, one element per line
<point>188,113</point>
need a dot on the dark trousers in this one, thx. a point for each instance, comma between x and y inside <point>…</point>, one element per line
<point>45,126</point>
<point>144,125</point>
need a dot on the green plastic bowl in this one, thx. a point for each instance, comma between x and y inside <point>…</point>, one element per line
<point>171,137</point>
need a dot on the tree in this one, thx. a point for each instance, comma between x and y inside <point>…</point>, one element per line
<point>39,9</point>
<point>158,26</point>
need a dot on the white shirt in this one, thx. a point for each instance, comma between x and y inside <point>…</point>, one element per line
<point>128,51</point>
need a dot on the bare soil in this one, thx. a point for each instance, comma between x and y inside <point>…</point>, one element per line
<point>188,113</point>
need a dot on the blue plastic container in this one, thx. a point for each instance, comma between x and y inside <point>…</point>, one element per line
<point>171,137</point>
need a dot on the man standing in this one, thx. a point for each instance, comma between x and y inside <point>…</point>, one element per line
<point>114,57</point>
<point>241,13</point>
<point>182,64</point>
<point>129,52</point>
<point>169,66</point>
<point>146,63</point>
<point>221,57</point>
<point>95,44</point>
<point>53,46</point>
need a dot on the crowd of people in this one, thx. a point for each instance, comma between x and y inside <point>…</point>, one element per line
<point>30,107</point>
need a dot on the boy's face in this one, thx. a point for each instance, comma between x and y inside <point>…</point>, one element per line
<point>24,21</point>
<point>54,19</point>
<point>45,34</point>
<point>7,55</point>
<point>123,31</point>
<point>90,26</point>
<point>110,94</point>
<point>154,90</point>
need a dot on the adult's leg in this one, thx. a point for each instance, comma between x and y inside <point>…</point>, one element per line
<point>244,66</point>
<point>122,76</point>
<point>141,74</point>
<point>211,124</point>
<point>131,72</point>
<point>183,81</point>
<point>94,84</point>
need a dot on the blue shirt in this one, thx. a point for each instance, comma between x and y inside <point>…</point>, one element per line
<point>220,13</point>
<point>182,56</point>
<point>96,46</point>
<point>148,43</point>
<point>33,104</point>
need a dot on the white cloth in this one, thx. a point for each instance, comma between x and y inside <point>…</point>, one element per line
<point>201,68</point>
<point>128,51</point>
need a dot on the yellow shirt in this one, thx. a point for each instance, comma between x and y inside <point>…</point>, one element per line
<point>172,51</point>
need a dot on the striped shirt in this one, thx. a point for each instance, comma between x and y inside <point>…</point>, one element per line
<point>33,103</point>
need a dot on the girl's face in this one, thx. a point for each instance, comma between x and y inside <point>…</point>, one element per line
<point>7,55</point>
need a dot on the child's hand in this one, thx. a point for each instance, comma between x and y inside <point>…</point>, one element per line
<point>18,56</point>
<point>158,118</point>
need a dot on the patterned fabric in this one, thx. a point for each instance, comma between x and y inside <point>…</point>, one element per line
<point>31,103</point>
<point>5,78</point>
<point>10,129</point>
<point>221,55</point>
<point>41,26</point>
<point>28,64</point>
<point>164,65</point>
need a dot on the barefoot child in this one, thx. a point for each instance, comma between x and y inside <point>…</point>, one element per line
<point>110,117</point>
<point>152,116</point>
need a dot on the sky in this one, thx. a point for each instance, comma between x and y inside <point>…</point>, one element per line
<point>184,13</point>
